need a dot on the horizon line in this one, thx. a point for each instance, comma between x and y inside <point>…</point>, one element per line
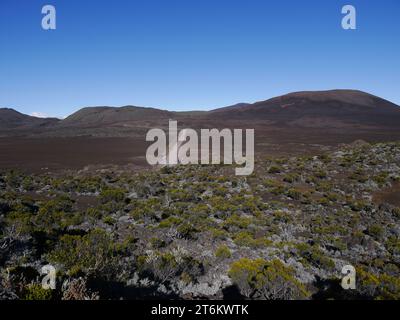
<point>41,115</point>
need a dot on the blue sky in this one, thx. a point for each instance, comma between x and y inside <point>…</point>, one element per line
<point>192,54</point>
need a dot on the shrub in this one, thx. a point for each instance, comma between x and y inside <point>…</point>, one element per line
<point>389,287</point>
<point>275,169</point>
<point>35,291</point>
<point>270,183</point>
<point>393,245</point>
<point>147,208</point>
<point>325,158</point>
<point>77,289</point>
<point>375,231</point>
<point>218,233</point>
<point>180,195</point>
<point>186,278</point>
<point>263,279</point>
<point>246,239</point>
<point>278,190</point>
<point>237,221</point>
<point>357,205</point>
<point>201,210</point>
<point>323,201</point>
<point>294,194</point>
<point>396,212</point>
<point>93,252</point>
<point>21,222</point>
<point>315,256</point>
<point>27,183</point>
<point>187,231</point>
<point>112,195</point>
<point>60,204</point>
<point>359,176</point>
<point>331,196</point>
<point>381,178</point>
<point>223,252</point>
<point>367,283</point>
<point>282,216</point>
<point>163,266</point>
<point>55,214</point>
<point>94,213</point>
<point>109,220</point>
<point>157,243</point>
<point>291,177</point>
<point>220,206</point>
<point>320,174</point>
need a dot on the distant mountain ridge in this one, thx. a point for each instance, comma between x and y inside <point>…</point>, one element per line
<point>12,119</point>
<point>109,115</point>
<point>317,109</point>
<point>332,101</point>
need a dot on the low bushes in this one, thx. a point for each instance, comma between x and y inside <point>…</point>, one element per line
<point>223,252</point>
<point>261,279</point>
<point>94,252</point>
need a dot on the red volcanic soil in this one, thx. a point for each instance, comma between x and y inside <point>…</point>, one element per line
<point>58,153</point>
<point>390,195</point>
<point>36,154</point>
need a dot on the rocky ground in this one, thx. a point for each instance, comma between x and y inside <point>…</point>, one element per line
<point>200,232</point>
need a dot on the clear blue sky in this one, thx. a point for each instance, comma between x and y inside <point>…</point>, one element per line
<point>192,54</point>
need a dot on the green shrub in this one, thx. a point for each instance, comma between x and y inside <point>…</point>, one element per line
<point>357,205</point>
<point>261,279</point>
<point>223,252</point>
<point>237,221</point>
<point>146,208</point>
<point>396,212</point>
<point>315,256</point>
<point>393,245</point>
<point>112,195</point>
<point>180,195</point>
<point>187,230</point>
<point>93,252</point>
<point>294,194</point>
<point>163,266</point>
<point>375,231</point>
<point>320,174</point>
<point>325,158</point>
<point>389,287</point>
<point>381,178</point>
<point>331,196</point>
<point>275,169</point>
<point>55,214</point>
<point>291,177</point>
<point>94,213</point>
<point>246,239</point>
<point>157,243</point>
<point>278,190</point>
<point>271,183</point>
<point>169,222</point>
<point>109,220</point>
<point>35,291</point>
<point>218,234</point>
<point>282,216</point>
